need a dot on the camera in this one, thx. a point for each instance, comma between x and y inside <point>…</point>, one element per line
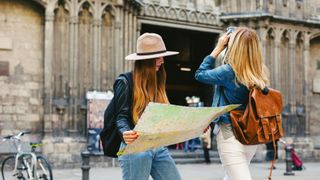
<point>231,29</point>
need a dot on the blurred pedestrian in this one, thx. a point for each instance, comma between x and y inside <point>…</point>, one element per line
<point>206,144</point>
<point>271,153</point>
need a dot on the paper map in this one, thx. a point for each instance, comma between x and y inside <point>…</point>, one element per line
<point>164,124</point>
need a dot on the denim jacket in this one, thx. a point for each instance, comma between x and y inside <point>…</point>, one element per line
<point>227,89</point>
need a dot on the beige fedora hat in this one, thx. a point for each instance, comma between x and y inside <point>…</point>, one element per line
<point>150,46</point>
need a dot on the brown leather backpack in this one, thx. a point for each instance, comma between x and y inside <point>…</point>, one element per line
<point>260,122</point>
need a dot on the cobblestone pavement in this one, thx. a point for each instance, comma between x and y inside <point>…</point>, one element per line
<point>259,171</point>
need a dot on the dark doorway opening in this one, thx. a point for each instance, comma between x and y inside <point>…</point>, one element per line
<point>193,47</point>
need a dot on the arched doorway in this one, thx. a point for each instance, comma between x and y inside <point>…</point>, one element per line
<point>193,47</point>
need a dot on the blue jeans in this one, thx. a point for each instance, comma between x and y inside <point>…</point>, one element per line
<point>156,162</point>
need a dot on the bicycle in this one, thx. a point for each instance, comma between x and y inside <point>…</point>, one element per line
<point>25,165</point>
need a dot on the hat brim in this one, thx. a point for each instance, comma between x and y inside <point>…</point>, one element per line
<point>134,56</point>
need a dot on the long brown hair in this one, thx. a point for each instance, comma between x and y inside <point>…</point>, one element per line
<point>148,86</point>
<point>245,58</point>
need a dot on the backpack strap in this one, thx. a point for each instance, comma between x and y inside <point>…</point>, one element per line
<point>274,156</point>
<point>265,91</point>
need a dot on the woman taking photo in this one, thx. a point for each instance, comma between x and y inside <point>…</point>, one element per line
<point>146,84</point>
<point>242,69</point>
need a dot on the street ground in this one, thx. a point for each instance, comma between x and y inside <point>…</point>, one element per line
<point>259,171</point>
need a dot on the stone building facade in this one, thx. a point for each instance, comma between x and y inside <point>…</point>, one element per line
<point>53,51</point>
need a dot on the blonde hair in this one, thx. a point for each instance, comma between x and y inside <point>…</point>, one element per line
<point>244,55</point>
<point>148,86</point>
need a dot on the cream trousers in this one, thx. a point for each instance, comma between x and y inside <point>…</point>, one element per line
<point>235,157</point>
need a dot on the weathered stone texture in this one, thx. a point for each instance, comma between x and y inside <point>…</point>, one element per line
<point>67,51</point>
<point>315,96</point>
<point>315,115</point>
<point>64,152</point>
<point>21,22</point>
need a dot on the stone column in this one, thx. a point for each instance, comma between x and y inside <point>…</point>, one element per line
<point>263,35</point>
<point>119,46</point>
<point>100,85</point>
<point>277,63</point>
<point>234,6</point>
<point>244,6</point>
<point>307,9</point>
<point>126,32</point>
<point>292,64</point>
<point>96,63</point>
<point>278,7</point>
<point>138,31</point>
<point>253,5</point>
<point>306,83</point>
<point>263,49</point>
<point>113,49</point>
<point>122,45</point>
<point>130,40</point>
<point>74,20</point>
<point>112,55</point>
<point>48,58</point>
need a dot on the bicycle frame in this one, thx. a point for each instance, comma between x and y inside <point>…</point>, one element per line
<point>43,169</point>
<point>22,156</point>
<point>30,167</point>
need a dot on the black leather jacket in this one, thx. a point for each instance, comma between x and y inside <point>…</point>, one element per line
<point>122,89</point>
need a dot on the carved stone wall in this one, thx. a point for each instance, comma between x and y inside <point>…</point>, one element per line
<point>86,44</point>
<point>53,51</point>
<point>286,28</point>
<point>198,12</point>
<point>314,74</point>
<point>283,47</point>
<point>21,55</point>
<point>295,9</point>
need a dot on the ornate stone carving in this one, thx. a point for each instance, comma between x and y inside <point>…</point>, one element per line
<point>181,14</point>
<point>193,17</point>
<point>162,13</point>
<point>172,14</point>
<point>150,10</point>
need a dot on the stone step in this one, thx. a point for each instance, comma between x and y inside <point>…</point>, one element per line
<point>195,161</point>
<point>196,154</point>
<point>196,157</point>
<point>181,157</point>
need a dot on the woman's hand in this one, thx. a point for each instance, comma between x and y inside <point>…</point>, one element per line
<point>130,136</point>
<point>222,43</point>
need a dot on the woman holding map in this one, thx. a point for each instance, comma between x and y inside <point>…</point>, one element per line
<point>241,69</point>
<point>145,84</point>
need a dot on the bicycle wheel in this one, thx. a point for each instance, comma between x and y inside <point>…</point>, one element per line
<point>7,169</point>
<point>44,170</point>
